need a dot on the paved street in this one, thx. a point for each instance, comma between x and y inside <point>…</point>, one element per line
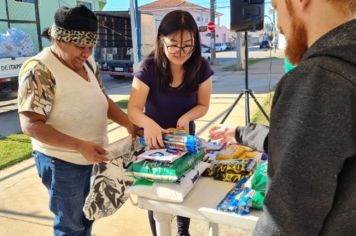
<point>23,199</point>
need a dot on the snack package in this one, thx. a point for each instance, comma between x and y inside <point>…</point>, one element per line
<point>177,131</point>
<point>230,201</point>
<point>164,172</point>
<point>178,141</point>
<point>210,146</point>
<point>243,206</point>
<point>231,170</point>
<point>161,155</point>
<point>238,199</point>
<point>236,151</point>
<point>171,192</point>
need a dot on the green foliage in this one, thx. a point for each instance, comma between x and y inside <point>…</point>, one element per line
<point>123,104</point>
<point>258,117</point>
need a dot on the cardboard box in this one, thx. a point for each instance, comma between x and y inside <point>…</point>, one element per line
<point>109,56</point>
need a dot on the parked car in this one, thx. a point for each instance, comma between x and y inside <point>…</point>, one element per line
<point>265,44</point>
<point>230,46</point>
<point>219,47</point>
<point>206,55</point>
<point>204,48</point>
<point>205,52</point>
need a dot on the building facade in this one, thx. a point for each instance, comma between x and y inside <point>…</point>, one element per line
<point>152,14</point>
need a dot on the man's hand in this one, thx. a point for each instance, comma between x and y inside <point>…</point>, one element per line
<point>92,152</point>
<point>226,134</point>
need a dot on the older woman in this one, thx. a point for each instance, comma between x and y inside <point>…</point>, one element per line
<point>63,107</point>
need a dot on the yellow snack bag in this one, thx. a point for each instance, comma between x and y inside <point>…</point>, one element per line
<point>252,154</point>
<point>229,152</point>
<point>178,131</point>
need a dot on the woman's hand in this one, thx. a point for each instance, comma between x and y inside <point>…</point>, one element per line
<point>183,123</point>
<point>153,135</point>
<point>92,152</point>
<point>225,133</point>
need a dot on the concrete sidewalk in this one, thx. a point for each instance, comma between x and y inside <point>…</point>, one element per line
<point>24,200</point>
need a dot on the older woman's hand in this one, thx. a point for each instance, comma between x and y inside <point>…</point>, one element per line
<point>134,130</point>
<point>92,152</point>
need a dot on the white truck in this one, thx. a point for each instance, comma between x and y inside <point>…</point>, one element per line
<point>16,46</point>
<point>9,70</point>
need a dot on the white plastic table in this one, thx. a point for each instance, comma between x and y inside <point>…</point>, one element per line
<point>200,203</point>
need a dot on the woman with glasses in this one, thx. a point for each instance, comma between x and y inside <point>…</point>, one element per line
<point>172,87</point>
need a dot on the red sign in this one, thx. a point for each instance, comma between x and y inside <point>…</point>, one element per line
<point>211,26</point>
<point>203,28</point>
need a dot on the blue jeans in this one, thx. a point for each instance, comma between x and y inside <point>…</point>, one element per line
<point>68,185</point>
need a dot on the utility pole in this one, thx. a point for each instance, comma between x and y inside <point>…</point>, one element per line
<point>275,43</point>
<point>274,22</point>
<point>239,52</point>
<point>212,37</point>
<point>135,32</point>
<point>38,26</point>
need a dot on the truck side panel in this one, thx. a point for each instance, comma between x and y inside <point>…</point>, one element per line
<point>113,52</point>
<point>9,69</point>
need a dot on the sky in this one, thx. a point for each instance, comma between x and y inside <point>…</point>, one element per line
<point>222,6</point>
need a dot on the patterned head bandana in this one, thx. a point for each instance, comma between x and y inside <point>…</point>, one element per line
<point>78,25</point>
<point>85,38</point>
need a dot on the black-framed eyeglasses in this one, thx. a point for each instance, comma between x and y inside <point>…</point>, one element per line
<point>173,49</point>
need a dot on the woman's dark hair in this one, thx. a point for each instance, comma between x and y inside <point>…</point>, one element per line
<point>173,22</point>
<point>46,33</point>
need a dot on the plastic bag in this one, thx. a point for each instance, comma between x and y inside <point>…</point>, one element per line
<point>165,172</point>
<point>108,181</point>
<point>16,43</point>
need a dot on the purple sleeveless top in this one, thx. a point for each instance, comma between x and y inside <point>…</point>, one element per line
<point>166,107</point>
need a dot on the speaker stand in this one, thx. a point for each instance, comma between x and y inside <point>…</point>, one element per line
<point>247,92</point>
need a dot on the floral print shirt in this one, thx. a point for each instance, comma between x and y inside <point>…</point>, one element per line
<point>37,87</point>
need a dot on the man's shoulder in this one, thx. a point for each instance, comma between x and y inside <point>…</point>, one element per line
<point>324,69</point>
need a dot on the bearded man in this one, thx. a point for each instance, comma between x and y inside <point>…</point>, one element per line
<point>311,141</point>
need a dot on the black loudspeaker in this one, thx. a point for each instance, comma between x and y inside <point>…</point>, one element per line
<point>247,15</point>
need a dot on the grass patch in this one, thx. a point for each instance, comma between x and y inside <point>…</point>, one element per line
<point>123,106</point>
<point>232,67</point>
<point>14,148</point>
<point>17,147</point>
<point>251,61</point>
<point>258,117</point>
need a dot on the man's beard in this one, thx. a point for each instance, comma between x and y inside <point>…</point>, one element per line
<point>297,43</point>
